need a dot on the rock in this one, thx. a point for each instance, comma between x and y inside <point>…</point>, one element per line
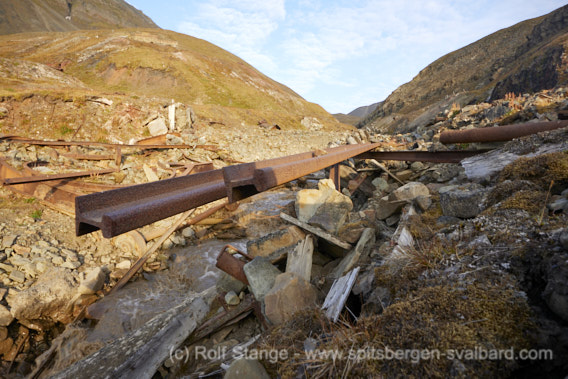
<point>261,275</point>
<point>393,220</point>
<point>6,346</point>
<point>464,201</point>
<point>364,283</point>
<point>246,368</point>
<point>559,205</point>
<point>331,215</point>
<point>351,232</point>
<point>334,205</point>
<point>17,276</point>
<point>361,250</point>
<point>93,281</point>
<point>564,239</point>
<point>232,298</point>
<point>188,232</point>
<point>417,166</point>
<point>277,244</point>
<point>157,127</point>
<point>351,140</point>
<point>289,295</point>
<point>555,293</point>
<point>5,316</point>
<point>150,174</point>
<point>125,264</point>
<point>380,184</point>
<point>376,302</point>
<point>47,298</point>
<point>9,240</point>
<point>385,208</point>
<point>172,139</point>
<point>404,175</point>
<point>409,192</point>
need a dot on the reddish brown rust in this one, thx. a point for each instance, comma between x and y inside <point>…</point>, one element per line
<point>499,133</point>
<point>124,209</point>
<point>232,265</point>
<point>421,156</point>
<point>45,178</point>
<point>248,179</point>
<point>102,144</point>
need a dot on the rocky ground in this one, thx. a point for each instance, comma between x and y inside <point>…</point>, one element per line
<point>446,260</point>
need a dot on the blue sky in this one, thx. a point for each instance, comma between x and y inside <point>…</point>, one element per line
<point>341,54</point>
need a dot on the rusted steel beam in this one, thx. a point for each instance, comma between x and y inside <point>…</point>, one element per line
<point>103,144</point>
<point>499,133</point>
<point>121,210</point>
<point>421,156</point>
<point>45,178</point>
<point>124,209</point>
<point>251,178</point>
<point>90,157</point>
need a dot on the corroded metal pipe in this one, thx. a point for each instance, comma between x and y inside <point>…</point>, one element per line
<point>421,156</point>
<point>499,133</point>
<point>232,265</point>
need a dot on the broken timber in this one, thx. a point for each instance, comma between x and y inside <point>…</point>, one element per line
<point>338,294</point>
<point>317,231</point>
<point>139,353</point>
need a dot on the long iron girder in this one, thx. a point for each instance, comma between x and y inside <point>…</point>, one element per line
<point>121,210</point>
<point>499,133</point>
<point>421,156</point>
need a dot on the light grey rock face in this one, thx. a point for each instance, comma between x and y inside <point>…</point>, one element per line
<point>462,201</point>
<point>246,368</point>
<point>556,291</point>
<point>261,275</point>
<point>47,298</point>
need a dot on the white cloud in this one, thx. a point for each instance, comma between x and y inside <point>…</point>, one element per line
<point>316,46</point>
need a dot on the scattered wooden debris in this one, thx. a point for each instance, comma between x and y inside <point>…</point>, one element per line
<point>338,294</point>
<point>300,259</point>
<point>317,231</point>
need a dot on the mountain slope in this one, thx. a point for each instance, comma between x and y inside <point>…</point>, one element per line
<point>152,64</point>
<point>526,57</point>
<point>22,16</point>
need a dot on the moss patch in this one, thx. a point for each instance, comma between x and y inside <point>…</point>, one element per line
<point>541,170</point>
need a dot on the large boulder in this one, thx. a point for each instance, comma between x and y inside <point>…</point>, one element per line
<point>49,297</point>
<point>289,295</point>
<point>465,201</point>
<point>325,207</point>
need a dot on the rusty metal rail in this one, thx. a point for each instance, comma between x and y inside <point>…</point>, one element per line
<point>251,178</point>
<point>421,156</point>
<point>499,133</point>
<point>124,209</point>
<point>121,210</point>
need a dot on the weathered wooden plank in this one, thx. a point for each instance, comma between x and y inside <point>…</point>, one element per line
<point>338,294</point>
<point>317,231</point>
<point>300,259</point>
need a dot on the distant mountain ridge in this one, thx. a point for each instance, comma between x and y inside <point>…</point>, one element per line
<point>364,110</point>
<point>23,16</point>
<point>526,57</point>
